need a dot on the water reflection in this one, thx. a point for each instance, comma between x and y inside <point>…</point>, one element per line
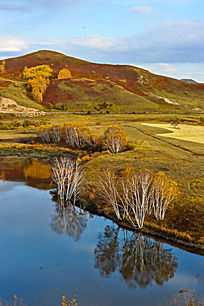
<point>139,259</point>
<point>69,219</point>
<point>36,173</point>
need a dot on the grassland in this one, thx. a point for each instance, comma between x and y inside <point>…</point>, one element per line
<point>17,135</point>
<point>84,94</point>
<point>180,159</point>
<point>183,132</point>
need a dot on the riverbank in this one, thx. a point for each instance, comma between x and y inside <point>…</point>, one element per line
<point>173,237</point>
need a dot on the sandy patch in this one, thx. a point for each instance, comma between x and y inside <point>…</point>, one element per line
<point>168,101</point>
<point>10,106</point>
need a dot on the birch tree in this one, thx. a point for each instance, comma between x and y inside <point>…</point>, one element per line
<point>164,191</point>
<point>67,177</point>
<point>44,134</point>
<point>55,133</point>
<point>77,135</point>
<point>108,189</point>
<point>115,139</point>
<point>135,194</point>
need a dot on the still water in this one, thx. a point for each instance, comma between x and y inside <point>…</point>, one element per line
<point>47,252</point>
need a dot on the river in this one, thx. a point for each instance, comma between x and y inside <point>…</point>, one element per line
<point>47,251</point>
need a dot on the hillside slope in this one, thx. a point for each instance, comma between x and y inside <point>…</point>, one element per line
<point>128,88</point>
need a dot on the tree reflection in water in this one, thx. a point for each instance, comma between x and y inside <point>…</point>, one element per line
<point>139,259</point>
<point>69,219</point>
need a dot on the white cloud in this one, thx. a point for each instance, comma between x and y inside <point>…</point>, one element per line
<point>96,41</point>
<point>167,67</point>
<point>12,44</point>
<point>48,41</point>
<point>142,9</point>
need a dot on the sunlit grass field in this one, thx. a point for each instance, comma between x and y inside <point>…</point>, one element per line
<point>182,131</point>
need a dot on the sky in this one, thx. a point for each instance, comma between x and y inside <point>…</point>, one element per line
<point>163,36</point>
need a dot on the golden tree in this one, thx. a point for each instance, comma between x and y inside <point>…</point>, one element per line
<point>38,80</point>
<point>44,71</point>
<point>37,86</point>
<point>64,73</point>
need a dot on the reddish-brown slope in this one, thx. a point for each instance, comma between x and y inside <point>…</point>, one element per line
<point>81,68</point>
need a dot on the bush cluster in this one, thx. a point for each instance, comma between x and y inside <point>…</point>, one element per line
<point>79,136</point>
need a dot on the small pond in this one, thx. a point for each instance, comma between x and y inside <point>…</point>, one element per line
<point>47,252</point>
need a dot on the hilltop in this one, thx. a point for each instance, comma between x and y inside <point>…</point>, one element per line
<point>127,88</point>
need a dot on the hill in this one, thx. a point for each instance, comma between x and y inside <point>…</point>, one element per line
<point>127,88</point>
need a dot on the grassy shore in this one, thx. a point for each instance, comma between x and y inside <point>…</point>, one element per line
<point>179,159</point>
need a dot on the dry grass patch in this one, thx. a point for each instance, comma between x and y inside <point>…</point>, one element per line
<point>183,131</point>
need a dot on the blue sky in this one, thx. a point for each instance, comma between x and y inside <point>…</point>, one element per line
<point>163,36</point>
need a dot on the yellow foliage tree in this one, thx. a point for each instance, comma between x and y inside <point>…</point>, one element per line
<point>44,71</point>
<point>64,73</point>
<point>37,86</point>
<point>38,80</point>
